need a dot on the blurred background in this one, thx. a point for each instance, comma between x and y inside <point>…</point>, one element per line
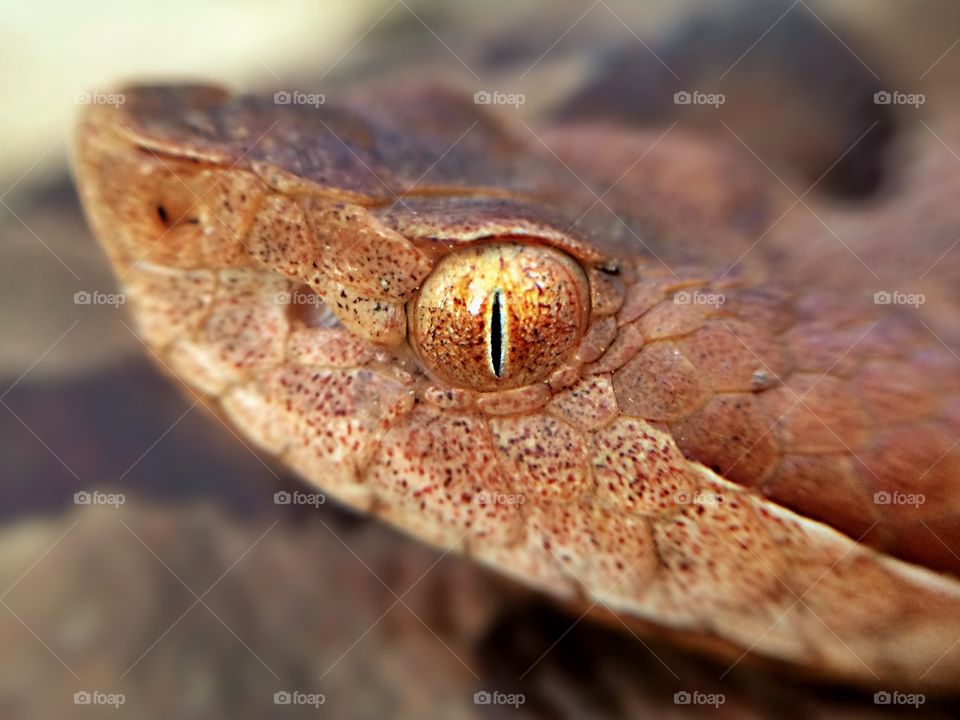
<point>191,594</point>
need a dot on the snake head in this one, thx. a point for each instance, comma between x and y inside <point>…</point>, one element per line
<point>414,310</point>
<point>192,180</point>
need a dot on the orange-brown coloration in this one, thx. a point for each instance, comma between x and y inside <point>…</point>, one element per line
<point>499,316</point>
<point>659,383</point>
<point>719,462</point>
<point>544,456</point>
<point>588,405</point>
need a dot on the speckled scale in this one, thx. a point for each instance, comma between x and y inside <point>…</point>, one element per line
<point>242,332</point>
<point>638,467</point>
<point>247,326</point>
<point>422,482</point>
<point>520,400</point>
<point>641,296</point>
<point>268,252</point>
<point>355,249</point>
<point>158,224</point>
<point>380,321</point>
<point>279,238</point>
<point>599,335</point>
<point>606,292</point>
<point>170,304</point>
<point>546,459</point>
<point>610,553</point>
<point>328,347</point>
<point>227,208</point>
<point>333,416</point>
<point>659,383</point>
<point>719,553</point>
<point>588,405</point>
<point>625,345</point>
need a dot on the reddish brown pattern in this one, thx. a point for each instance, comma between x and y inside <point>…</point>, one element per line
<point>653,470</point>
<point>588,405</point>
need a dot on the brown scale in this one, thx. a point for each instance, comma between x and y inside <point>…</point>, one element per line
<point>708,425</point>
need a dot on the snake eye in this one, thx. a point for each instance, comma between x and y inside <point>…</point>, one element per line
<point>498,316</point>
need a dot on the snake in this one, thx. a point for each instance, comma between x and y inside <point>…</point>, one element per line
<point>627,368</point>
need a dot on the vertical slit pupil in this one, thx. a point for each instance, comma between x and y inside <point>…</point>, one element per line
<point>496,335</point>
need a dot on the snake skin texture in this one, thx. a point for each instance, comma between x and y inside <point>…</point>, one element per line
<point>749,448</point>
